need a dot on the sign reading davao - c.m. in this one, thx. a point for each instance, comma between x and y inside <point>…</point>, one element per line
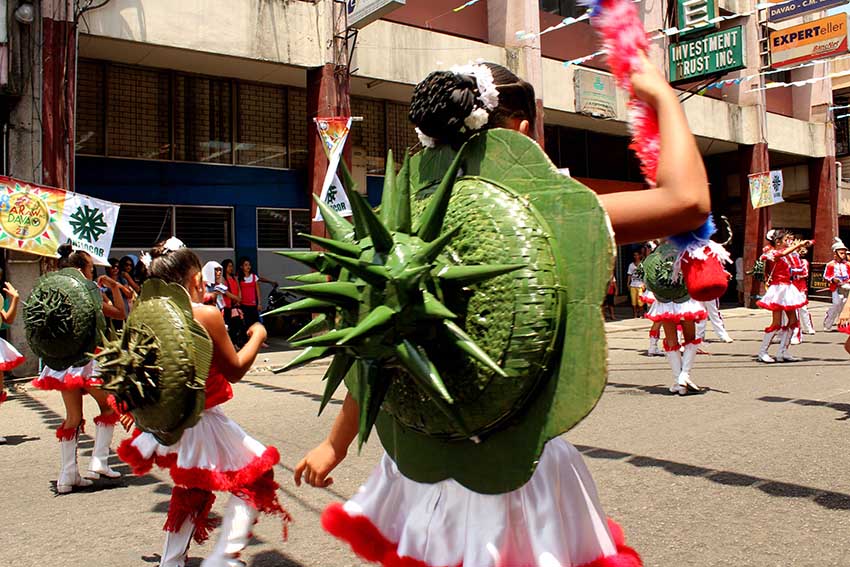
<point>716,53</point>
<point>786,9</point>
<point>812,40</point>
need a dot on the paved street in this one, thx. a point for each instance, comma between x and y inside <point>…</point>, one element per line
<point>751,473</point>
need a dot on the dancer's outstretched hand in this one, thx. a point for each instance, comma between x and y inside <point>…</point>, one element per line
<point>318,464</point>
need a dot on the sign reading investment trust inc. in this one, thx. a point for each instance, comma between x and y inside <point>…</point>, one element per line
<point>812,40</point>
<point>713,54</point>
<point>795,8</point>
<point>363,12</point>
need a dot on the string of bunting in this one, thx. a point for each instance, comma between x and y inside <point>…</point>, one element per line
<point>728,82</point>
<point>813,80</point>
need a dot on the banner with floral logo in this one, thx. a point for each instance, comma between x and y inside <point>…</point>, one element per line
<point>38,219</point>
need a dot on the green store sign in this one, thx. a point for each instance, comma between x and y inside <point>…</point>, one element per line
<point>696,15</point>
<point>713,54</point>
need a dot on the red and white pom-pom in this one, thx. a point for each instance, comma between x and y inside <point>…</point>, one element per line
<point>701,264</point>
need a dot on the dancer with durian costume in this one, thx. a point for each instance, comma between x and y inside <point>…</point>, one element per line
<point>172,368</point>
<point>782,297</point>
<point>467,280</point>
<point>10,358</point>
<point>64,320</point>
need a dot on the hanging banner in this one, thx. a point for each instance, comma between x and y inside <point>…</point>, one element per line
<point>333,133</point>
<point>38,219</point>
<point>89,224</point>
<point>596,94</point>
<point>812,40</point>
<point>795,8</point>
<point>766,188</point>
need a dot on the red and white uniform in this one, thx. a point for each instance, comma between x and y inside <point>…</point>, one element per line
<point>9,356</point>
<point>689,310</point>
<point>647,297</point>
<point>555,520</point>
<point>72,378</point>
<point>781,294</point>
<point>800,278</point>
<point>835,270</point>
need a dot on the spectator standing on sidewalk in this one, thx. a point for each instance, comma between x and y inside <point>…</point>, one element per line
<point>636,285</point>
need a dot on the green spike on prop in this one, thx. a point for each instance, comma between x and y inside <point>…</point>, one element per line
<point>433,249</point>
<point>370,273</point>
<point>434,309</point>
<point>329,339</point>
<point>335,246</point>
<point>361,229</point>
<point>307,356</point>
<point>389,201</point>
<point>431,223</point>
<point>336,292</point>
<point>467,345</point>
<point>380,317</point>
<point>313,260</point>
<point>308,304</point>
<point>338,228</point>
<point>468,275</point>
<point>339,367</point>
<point>401,220</point>
<point>382,240</point>
<point>312,278</point>
<point>373,389</point>
<point>316,325</point>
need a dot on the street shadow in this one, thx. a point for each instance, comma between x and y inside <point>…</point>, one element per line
<point>15,440</point>
<point>281,390</point>
<point>823,498</point>
<point>662,390</point>
<point>155,559</point>
<point>840,407</point>
<point>274,559</point>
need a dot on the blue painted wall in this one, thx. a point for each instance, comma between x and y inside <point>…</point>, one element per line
<point>175,183</point>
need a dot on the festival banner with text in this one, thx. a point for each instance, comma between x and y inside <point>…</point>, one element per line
<point>766,188</point>
<point>333,133</point>
<point>38,219</point>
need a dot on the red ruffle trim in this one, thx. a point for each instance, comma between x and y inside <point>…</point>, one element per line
<point>693,342</point>
<point>110,419</point>
<point>70,382</point>
<point>194,503</point>
<point>654,334</point>
<point>10,364</point>
<point>262,495</point>
<point>845,329</point>
<point>70,433</point>
<point>779,306</point>
<point>368,542</point>
<point>3,397</point>
<point>676,317</point>
<point>674,348</point>
<point>223,481</point>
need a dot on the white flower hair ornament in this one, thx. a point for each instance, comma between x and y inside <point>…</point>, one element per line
<point>145,258</point>
<point>426,140</point>
<point>488,94</point>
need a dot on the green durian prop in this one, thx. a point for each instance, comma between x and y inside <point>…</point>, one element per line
<point>658,275</point>
<point>464,316</point>
<point>158,366</point>
<point>63,317</point>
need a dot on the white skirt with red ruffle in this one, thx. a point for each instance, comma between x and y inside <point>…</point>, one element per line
<point>215,454</point>
<point>690,310</point>
<point>554,520</point>
<point>782,297</point>
<point>648,297</point>
<point>9,356</point>
<point>71,378</point>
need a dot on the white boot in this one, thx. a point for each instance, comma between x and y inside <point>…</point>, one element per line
<point>239,518</point>
<point>69,473</point>
<point>769,333</point>
<point>782,355</point>
<point>796,336</point>
<point>176,549</point>
<point>674,358</point>
<point>100,454</point>
<point>805,318</point>
<point>684,379</point>
<point>653,346</point>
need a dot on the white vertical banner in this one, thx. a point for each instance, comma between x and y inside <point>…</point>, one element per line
<point>89,224</point>
<point>333,132</point>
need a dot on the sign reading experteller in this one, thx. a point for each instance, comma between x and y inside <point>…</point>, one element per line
<point>715,53</point>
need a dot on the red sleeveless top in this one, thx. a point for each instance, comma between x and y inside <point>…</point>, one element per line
<point>218,389</point>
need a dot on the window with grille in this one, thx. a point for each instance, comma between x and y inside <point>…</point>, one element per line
<point>138,116</point>
<point>90,108</point>
<point>370,133</point>
<point>142,226</point>
<point>204,227</point>
<point>261,123</point>
<point>563,8</point>
<point>203,124</point>
<point>278,229</point>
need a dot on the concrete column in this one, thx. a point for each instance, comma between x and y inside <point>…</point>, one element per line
<point>752,159</point>
<point>823,201</point>
<point>504,19</point>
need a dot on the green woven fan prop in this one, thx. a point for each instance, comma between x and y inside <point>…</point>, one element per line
<point>658,275</point>
<point>63,317</point>
<point>464,316</point>
<point>158,366</point>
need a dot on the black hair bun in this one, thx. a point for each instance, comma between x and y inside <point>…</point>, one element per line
<point>65,250</point>
<point>441,102</point>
